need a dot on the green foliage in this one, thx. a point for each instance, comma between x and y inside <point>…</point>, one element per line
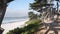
<point>32,15</point>
<point>29,29</point>
<point>39,16</point>
<point>38,4</point>
<point>37,21</point>
<point>16,31</point>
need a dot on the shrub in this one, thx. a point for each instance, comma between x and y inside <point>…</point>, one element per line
<point>37,21</point>
<point>33,26</point>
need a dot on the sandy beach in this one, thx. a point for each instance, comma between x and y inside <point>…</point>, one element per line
<point>11,26</point>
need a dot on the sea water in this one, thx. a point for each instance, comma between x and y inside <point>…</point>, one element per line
<point>13,19</point>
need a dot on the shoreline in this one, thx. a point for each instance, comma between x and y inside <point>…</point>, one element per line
<point>11,26</point>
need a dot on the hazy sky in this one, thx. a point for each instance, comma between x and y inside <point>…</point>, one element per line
<point>18,8</point>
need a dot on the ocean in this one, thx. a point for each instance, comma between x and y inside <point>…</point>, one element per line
<point>13,19</point>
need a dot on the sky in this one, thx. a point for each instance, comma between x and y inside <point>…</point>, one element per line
<point>18,8</point>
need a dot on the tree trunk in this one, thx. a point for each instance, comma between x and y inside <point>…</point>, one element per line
<point>2,13</point>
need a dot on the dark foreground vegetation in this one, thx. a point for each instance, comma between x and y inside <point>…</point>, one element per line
<point>31,28</point>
